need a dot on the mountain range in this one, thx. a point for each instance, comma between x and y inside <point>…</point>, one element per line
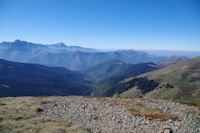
<point>71,57</point>
<point>172,60</point>
<point>28,69</point>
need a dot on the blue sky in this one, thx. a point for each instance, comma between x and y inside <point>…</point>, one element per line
<point>104,24</point>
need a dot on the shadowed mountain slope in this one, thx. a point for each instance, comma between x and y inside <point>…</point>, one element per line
<point>20,79</point>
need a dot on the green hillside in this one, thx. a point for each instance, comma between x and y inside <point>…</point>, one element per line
<point>179,81</point>
<point>105,69</point>
<point>172,60</point>
<point>113,72</point>
<point>114,68</point>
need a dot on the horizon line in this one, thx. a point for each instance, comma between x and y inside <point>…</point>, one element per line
<point>106,49</point>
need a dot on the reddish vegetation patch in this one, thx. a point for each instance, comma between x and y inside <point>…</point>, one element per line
<point>45,102</point>
<point>136,114</point>
<point>163,117</point>
<point>113,104</point>
<point>175,118</point>
<point>40,97</point>
<point>112,101</point>
<point>152,117</point>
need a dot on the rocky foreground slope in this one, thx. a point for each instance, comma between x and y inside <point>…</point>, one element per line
<point>122,115</point>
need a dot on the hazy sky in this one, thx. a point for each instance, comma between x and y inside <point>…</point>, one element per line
<point>113,24</point>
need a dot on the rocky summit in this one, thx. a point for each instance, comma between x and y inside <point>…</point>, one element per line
<point>124,115</point>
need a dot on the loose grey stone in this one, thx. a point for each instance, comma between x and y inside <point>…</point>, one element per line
<point>102,117</point>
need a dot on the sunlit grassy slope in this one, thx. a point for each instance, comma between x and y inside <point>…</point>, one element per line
<point>179,81</point>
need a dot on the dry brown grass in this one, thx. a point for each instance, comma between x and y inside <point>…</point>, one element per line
<point>21,115</point>
<point>107,100</point>
<point>191,110</point>
<point>150,113</point>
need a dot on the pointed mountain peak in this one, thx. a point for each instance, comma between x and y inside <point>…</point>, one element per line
<point>59,45</point>
<point>18,41</point>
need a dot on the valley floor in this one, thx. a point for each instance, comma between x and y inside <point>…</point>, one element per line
<point>123,115</point>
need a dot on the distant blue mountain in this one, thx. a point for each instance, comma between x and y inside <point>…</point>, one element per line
<point>189,54</point>
<point>71,57</point>
<point>58,45</point>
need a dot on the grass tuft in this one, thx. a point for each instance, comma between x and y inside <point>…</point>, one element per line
<point>139,104</point>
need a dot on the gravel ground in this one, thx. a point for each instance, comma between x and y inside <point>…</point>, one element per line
<point>101,117</point>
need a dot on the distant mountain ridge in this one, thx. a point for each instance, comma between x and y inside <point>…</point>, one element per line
<point>71,57</point>
<point>114,68</point>
<point>168,53</point>
<point>172,60</point>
